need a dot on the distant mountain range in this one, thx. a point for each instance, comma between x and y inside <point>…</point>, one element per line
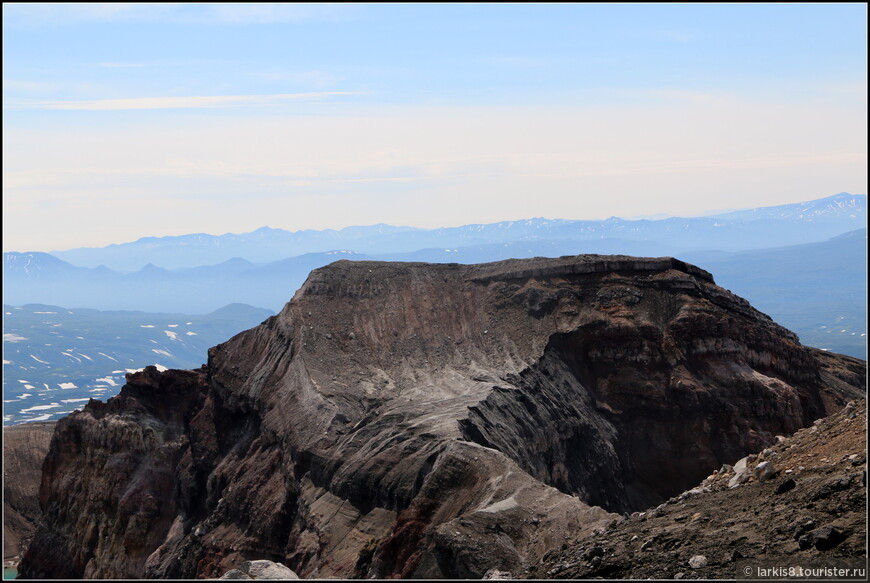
<point>836,210</point>
<point>814,284</point>
<point>42,278</point>
<point>818,290</point>
<point>55,358</point>
<point>734,231</point>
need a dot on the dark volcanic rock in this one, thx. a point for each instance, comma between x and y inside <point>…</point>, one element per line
<point>785,486</point>
<point>421,420</point>
<point>24,449</point>
<point>823,539</point>
<point>748,524</point>
<point>107,491</point>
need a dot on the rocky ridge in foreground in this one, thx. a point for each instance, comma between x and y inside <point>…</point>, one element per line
<point>800,502</point>
<point>420,420</point>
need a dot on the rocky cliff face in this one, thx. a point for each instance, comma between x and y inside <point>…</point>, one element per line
<point>24,449</point>
<point>428,420</point>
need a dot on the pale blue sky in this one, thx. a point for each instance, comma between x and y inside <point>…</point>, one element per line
<point>126,120</point>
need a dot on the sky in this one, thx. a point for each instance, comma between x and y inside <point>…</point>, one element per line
<point>128,120</point>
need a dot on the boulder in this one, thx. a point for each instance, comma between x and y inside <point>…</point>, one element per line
<point>823,539</point>
<point>764,471</point>
<point>698,562</point>
<point>741,473</point>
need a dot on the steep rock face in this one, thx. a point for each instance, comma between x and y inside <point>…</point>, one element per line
<point>668,390</point>
<point>24,449</point>
<point>421,420</point>
<point>107,489</point>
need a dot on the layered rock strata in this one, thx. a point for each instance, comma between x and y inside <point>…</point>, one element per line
<point>24,449</point>
<point>423,420</point>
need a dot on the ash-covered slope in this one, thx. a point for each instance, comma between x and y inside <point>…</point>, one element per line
<point>807,510</point>
<point>405,419</point>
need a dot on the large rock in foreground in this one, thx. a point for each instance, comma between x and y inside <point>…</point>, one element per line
<point>428,420</point>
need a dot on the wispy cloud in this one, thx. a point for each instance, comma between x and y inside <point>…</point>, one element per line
<point>58,14</point>
<point>267,12</point>
<point>188,102</point>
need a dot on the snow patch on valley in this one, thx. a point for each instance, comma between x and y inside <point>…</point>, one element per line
<point>40,407</point>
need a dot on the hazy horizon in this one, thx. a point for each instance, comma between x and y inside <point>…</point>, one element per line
<point>124,121</point>
<point>656,217</point>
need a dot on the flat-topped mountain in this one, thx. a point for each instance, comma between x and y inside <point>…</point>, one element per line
<point>828,312</point>
<point>428,420</point>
